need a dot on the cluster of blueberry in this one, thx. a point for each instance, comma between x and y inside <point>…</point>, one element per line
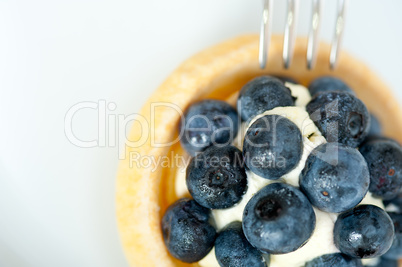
<point>280,218</point>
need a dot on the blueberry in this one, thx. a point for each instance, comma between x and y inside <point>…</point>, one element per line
<point>366,231</point>
<point>233,249</point>
<point>335,177</point>
<point>334,260</point>
<point>261,94</point>
<point>379,137</point>
<point>395,252</point>
<point>186,231</point>
<point>273,146</point>
<point>375,126</point>
<point>216,178</point>
<point>384,159</point>
<point>327,84</point>
<point>206,123</point>
<point>396,202</point>
<point>278,219</point>
<point>383,262</point>
<point>340,117</point>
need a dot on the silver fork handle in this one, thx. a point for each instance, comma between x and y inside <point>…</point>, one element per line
<point>314,35</point>
<point>338,35</point>
<point>265,32</point>
<point>290,33</point>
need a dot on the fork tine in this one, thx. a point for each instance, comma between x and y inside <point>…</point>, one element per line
<point>339,29</point>
<point>265,33</point>
<point>314,34</point>
<point>290,32</point>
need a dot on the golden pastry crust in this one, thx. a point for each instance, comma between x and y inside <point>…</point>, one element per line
<point>217,72</point>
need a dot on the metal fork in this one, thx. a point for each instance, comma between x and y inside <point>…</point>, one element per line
<point>290,33</point>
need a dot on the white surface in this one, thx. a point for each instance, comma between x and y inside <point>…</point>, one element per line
<point>56,199</point>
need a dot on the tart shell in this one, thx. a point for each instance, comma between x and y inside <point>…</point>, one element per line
<point>144,192</point>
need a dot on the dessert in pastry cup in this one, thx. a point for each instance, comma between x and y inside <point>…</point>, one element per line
<point>144,193</point>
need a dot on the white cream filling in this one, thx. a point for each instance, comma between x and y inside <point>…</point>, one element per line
<point>321,242</point>
<point>300,92</point>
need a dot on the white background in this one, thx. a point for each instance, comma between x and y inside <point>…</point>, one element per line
<point>57,200</point>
